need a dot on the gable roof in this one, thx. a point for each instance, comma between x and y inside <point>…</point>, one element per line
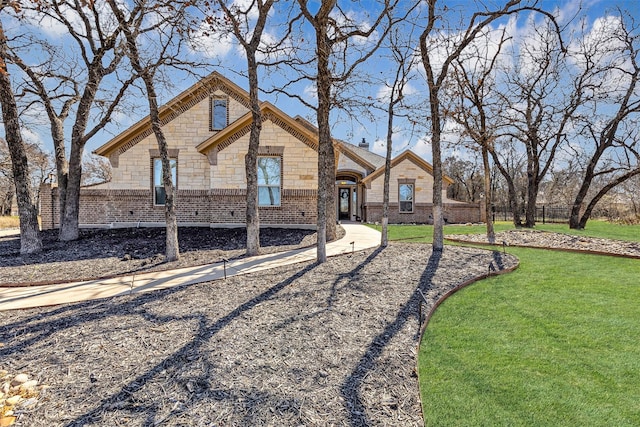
<point>351,150</point>
<point>240,127</point>
<point>365,158</point>
<point>302,129</point>
<point>406,155</point>
<point>172,109</point>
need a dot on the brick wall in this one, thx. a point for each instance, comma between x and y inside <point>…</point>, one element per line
<point>104,207</point>
<point>454,213</point>
<point>47,192</point>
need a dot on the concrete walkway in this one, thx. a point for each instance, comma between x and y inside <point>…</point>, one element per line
<point>357,237</point>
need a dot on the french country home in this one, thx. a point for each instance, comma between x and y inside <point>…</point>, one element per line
<point>207,129</point>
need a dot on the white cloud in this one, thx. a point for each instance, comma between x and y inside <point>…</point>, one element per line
<point>212,44</point>
<point>379,146</point>
<point>384,92</point>
<point>351,21</point>
<point>56,29</point>
<point>249,6</point>
<point>266,50</point>
<point>32,137</point>
<point>422,148</point>
<point>311,92</point>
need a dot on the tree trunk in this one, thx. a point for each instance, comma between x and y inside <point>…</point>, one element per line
<point>172,249</point>
<point>488,196</point>
<point>30,240</point>
<point>574,217</point>
<point>532,197</point>
<point>513,198</point>
<point>252,215</point>
<point>326,160</point>
<point>384,241</point>
<point>603,191</point>
<point>438,220</point>
<point>69,212</point>
<point>62,166</point>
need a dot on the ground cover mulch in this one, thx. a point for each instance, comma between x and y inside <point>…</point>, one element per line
<point>307,344</point>
<point>100,253</point>
<point>550,240</point>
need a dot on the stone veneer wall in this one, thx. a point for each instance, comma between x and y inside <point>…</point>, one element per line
<point>113,208</point>
<point>454,213</point>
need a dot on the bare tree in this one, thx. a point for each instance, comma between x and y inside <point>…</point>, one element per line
<point>335,32</point>
<point>402,56</point>
<point>613,121</point>
<point>7,186</point>
<point>95,170</point>
<point>437,65</point>
<point>40,168</point>
<point>475,108</point>
<point>468,179</point>
<point>30,240</point>
<point>164,19</point>
<point>237,20</point>
<point>511,164</point>
<point>69,83</point>
<point>540,106</point>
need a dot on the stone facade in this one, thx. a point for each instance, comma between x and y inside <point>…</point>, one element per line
<point>210,171</point>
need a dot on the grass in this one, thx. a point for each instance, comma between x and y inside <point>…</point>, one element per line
<point>9,222</point>
<point>552,344</point>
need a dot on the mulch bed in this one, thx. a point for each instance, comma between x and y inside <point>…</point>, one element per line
<point>100,253</point>
<point>317,345</point>
<point>556,241</point>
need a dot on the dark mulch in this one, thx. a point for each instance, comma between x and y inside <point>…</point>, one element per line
<point>313,345</point>
<point>106,253</point>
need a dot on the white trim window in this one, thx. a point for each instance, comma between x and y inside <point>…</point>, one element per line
<point>269,180</point>
<point>405,197</point>
<point>159,195</point>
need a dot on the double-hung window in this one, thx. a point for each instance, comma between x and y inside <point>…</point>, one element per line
<point>159,195</point>
<point>269,180</point>
<point>405,197</point>
<point>219,113</point>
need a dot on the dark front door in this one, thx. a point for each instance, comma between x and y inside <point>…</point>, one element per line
<point>344,203</point>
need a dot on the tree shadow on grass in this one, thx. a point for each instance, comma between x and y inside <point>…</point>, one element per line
<point>351,388</point>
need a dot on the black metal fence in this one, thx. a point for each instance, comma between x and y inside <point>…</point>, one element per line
<point>544,214</point>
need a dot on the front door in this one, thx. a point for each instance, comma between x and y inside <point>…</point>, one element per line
<point>344,203</point>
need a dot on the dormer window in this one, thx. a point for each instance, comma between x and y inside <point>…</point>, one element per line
<point>219,113</point>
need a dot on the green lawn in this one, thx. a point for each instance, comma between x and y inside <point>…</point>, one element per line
<point>554,343</point>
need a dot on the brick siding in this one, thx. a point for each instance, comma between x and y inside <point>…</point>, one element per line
<point>454,213</point>
<point>108,208</point>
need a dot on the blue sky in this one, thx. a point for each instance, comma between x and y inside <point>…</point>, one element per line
<point>372,129</point>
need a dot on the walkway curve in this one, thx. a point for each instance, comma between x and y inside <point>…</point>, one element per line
<point>357,237</point>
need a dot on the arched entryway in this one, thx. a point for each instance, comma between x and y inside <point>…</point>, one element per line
<point>349,196</point>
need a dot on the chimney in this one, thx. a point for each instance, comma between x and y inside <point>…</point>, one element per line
<point>364,144</point>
